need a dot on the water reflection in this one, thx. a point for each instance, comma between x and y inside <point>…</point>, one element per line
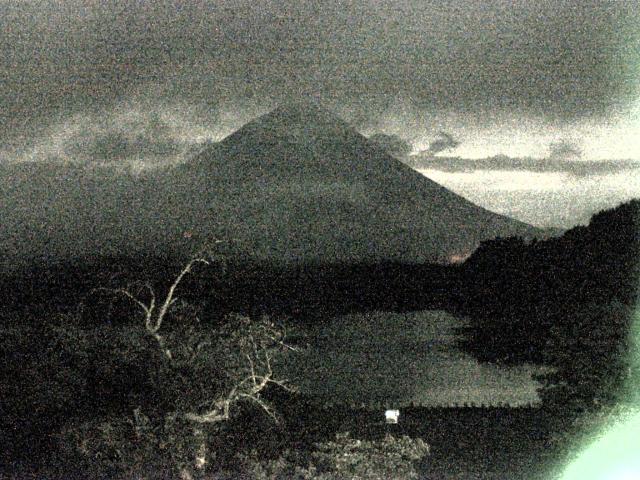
<point>403,357</point>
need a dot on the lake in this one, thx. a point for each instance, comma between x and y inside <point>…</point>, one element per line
<point>399,358</point>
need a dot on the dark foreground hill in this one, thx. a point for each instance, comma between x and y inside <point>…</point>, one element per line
<point>296,185</point>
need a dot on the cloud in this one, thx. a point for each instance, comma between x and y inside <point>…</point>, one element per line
<point>147,135</point>
<point>579,168</point>
<point>564,150</point>
<point>564,157</point>
<point>112,45</point>
<point>392,144</point>
<point>444,142</point>
<point>134,135</point>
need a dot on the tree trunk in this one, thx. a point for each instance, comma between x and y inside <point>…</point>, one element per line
<point>200,460</point>
<point>198,467</point>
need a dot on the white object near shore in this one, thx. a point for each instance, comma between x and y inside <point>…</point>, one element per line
<point>392,416</point>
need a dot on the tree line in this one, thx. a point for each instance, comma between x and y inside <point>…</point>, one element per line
<point>565,302</point>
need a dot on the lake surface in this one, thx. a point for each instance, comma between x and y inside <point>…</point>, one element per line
<point>399,358</point>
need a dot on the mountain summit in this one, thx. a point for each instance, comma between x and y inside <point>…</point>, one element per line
<point>302,123</point>
<point>302,112</point>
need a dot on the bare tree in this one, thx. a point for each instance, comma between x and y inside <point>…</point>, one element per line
<point>154,316</point>
<point>241,352</point>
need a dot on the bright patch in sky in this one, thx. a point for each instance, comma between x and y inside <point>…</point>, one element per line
<point>503,180</point>
<point>596,140</point>
<point>485,134</point>
<point>545,199</point>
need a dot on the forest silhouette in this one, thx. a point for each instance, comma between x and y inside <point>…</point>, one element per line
<point>565,302</point>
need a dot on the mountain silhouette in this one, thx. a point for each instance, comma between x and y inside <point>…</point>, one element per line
<point>296,185</point>
<point>301,184</point>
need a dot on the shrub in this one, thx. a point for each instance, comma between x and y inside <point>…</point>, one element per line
<point>347,458</point>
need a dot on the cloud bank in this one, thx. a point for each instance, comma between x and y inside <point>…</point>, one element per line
<point>581,168</point>
<point>561,60</point>
<point>563,157</point>
<point>120,136</point>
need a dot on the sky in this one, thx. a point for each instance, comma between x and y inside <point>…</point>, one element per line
<point>144,82</point>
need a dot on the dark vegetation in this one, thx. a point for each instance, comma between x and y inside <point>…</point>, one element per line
<point>87,388</point>
<point>306,291</point>
<point>522,289</point>
<point>565,302</point>
<point>87,391</point>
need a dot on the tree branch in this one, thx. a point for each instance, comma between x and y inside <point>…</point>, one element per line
<point>169,299</point>
<point>127,294</point>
